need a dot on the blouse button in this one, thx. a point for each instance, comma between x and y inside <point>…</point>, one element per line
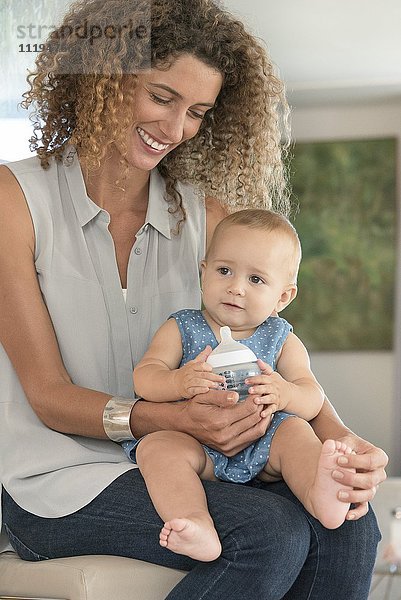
<point>133,310</point>
<point>138,251</point>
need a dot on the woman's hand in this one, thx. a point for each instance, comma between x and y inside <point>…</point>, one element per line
<point>218,420</point>
<point>369,463</point>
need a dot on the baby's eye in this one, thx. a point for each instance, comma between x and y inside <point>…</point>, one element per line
<point>256,279</point>
<point>223,270</point>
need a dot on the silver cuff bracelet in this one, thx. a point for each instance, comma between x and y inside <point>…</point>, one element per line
<point>116,418</point>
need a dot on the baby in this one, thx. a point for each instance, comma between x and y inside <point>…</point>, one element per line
<point>249,275</point>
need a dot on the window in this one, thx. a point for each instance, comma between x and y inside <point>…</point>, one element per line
<point>23,27</point>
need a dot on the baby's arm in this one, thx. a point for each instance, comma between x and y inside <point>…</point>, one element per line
<point>293,387</point>
<point>157,377</point>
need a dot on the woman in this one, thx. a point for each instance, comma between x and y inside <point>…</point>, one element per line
<point>148,122</point>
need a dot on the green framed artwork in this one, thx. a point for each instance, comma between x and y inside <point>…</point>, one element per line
<point>346,191</point>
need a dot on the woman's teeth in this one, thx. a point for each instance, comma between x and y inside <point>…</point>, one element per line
<point>150,141</point>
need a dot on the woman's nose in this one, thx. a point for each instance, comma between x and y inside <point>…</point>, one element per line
<point>174,127</point>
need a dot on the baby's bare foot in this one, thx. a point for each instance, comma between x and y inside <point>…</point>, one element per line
<point>322,500</point>
<point>194,536</point>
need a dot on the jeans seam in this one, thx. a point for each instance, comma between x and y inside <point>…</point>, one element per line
<point>18,542</point>
<point>222,572</point>
<point>317,558</point>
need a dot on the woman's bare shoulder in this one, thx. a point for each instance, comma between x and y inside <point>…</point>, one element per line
<point>15,220</point>
<point>7,178</point>
<point>215,208</point>
<point>9,186</point>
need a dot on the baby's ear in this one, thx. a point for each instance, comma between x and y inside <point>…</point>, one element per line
<point>202,270</point>
<point>287,297</point>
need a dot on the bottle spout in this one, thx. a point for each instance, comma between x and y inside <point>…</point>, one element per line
<point>225,334</point>
<point>229,351</point>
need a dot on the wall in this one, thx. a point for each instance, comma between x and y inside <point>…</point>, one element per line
<point>363,386</point>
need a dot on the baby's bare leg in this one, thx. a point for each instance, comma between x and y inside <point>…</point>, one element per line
<point>172,464</point>
<point>306,466</point>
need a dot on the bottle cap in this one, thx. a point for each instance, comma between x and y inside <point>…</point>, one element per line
<point>229,351</point>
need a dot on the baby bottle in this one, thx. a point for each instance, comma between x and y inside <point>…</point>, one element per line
<point>235,362</point>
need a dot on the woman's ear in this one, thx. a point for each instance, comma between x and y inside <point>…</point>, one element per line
<point>286,297</point>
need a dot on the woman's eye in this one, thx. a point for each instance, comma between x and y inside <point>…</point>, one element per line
<point>159,99</point>
<point>223,270</point>
<point>255,279</point>
<point>197,115</point>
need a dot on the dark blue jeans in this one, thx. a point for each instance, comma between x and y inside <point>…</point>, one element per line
<point>272,549</point>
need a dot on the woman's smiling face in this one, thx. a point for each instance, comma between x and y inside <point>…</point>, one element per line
<point>170,105</point>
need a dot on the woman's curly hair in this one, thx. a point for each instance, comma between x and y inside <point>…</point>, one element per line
<point>83,94</point>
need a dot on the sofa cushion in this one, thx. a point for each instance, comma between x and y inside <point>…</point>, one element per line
<point>85,578</point>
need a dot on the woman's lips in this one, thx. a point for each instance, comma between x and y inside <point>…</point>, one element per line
<point>150,142</point>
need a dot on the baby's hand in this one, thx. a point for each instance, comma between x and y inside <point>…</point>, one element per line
<point>196,376</point>
<point>269,388</point>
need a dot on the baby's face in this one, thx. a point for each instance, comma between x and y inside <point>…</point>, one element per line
<point>246,277</point>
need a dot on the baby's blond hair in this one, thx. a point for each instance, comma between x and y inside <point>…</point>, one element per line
<point>265,220</point>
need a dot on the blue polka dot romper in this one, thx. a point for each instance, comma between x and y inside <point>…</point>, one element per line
<point>266,343</point>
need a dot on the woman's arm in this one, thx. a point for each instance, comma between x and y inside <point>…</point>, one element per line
<point>26,331</point>
<point>368,461</point>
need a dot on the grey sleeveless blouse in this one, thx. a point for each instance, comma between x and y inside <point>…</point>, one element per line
<point>100,336</point>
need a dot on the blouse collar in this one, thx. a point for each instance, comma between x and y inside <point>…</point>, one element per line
<point>157,214</point>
